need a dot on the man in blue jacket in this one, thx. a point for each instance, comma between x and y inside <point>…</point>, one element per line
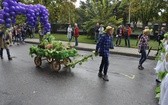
<point>102,48</point>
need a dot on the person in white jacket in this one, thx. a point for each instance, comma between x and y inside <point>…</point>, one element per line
<point>69,33</point>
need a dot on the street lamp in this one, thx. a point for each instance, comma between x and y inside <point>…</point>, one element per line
<point>129,16</point>
<point>69,13</point>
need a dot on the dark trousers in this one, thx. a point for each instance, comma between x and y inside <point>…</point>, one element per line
<point>127,41</point>
<point>143,57</point>
<point>7,51</point>
<point>76,41</point>
<point>118,41</point>
<point>111,43</point>
<point>104,65</point>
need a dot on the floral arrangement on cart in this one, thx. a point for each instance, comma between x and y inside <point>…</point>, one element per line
<point>56,54</point>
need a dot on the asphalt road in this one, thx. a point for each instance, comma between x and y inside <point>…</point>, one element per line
<point>21,83</point>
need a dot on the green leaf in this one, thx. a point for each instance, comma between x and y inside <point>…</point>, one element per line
<point>157,96</point>
<point>157,90</point>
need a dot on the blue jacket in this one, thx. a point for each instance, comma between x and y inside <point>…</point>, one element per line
<point>103,45</point>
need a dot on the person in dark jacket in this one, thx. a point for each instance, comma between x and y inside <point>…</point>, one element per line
<point>96,30</point>
<point>102,48</point>
<point>119,35</point>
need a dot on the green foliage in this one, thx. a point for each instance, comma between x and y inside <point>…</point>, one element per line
<point>166,35</point>
<point>98,11</point>
<point>157,92</point>
<point>157,96</point>
<point>50,48</point>
<point>144,10</point>
<point>161,75</point>
<point>20,19</point>
<point>84,59</point>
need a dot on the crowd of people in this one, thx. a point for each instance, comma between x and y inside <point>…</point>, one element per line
<point>73,32</point>
<point>122,32</point>
<point>14,35</point>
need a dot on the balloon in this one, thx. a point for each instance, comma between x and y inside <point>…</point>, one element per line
<point>1,11</point>
<point>17,8</point>
<point>2,21</point>
<point>8,25</point>
<point>12,8</point>
<point>12,13</point>
<point>5,4</point>
<point>1,16</point>
<point>33,13</point>
<point>7,14</point>
<point>37,14</point>
<point>6,9</point>
<point>13,21</point>
<point>8,20</point>
<point>32,18</point>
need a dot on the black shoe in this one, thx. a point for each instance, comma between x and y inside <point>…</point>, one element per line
<point>10,59</point>
<point>2,58</point>
<point>105,78</point>
<point>158,81</point>
<point>100,75</point>
<point>140,67</point>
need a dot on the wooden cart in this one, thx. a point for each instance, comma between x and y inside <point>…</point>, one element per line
<point>55,64</point>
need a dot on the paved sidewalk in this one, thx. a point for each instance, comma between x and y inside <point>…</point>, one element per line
<point>116,50</point>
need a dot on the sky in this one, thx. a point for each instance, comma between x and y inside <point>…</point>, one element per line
<point>77,4</point>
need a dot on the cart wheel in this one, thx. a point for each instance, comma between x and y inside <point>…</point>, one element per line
<point>56,66</point>
<point>38,61</point>
<point>49,60</point>
<point>66,61</point>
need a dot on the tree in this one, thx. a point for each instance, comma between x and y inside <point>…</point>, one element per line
<point>144,10</point>
<point>98,11</point>
<point>59,10</point>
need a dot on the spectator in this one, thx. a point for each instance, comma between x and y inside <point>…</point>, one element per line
<point>4,43</point>
<point>143,45</point>
<point>23,32</point>
<point>41,34</point>
<point>112,37</point>
<point>127,31</point>
<point>119,35</point>
<point>102,48</point>
<point>69,33</point>
<point>14,33</point>
<point>76,34</point>
<point>19,35</point>
<point>96,29</point>
<point>101,31</point>
<point>160,35</point>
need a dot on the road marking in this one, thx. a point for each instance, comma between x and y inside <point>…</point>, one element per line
<point>131,77</point>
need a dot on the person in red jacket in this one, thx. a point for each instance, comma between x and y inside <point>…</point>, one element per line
<point>76,34</point>
<point>127,31</point>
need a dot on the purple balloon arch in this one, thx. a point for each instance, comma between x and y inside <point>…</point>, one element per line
<point>33,13</point>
